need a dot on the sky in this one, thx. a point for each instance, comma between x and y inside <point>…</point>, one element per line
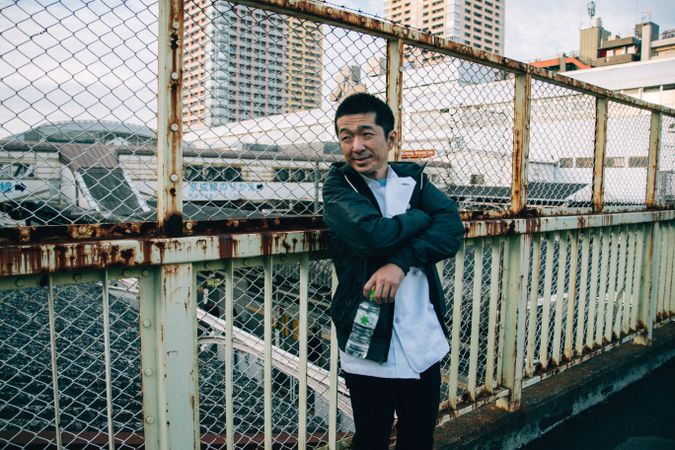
<point>538,29</point>
<point>83,60</point>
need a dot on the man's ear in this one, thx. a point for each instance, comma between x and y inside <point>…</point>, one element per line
<point>392,139</point>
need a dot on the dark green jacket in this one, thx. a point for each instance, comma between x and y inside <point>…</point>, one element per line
<point>362,241</point>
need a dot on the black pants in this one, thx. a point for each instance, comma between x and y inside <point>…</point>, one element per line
<point>374,401</point>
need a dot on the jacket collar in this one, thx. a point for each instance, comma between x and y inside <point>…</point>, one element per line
<point>402,169</point>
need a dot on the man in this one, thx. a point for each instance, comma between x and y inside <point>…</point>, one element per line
<point>389,226</point>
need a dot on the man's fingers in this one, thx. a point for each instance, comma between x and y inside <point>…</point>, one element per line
<point>385,282</point>
<point>368,286</point>
<point>379,287</point>
<point>392,292</point>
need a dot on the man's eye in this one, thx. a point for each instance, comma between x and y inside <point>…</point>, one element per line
<point>346,138</point>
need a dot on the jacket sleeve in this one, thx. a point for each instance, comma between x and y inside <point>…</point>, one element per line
<point>440,240</point>
<point>356,221</point>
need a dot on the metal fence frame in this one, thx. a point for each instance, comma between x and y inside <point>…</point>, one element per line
<point>166,256</point>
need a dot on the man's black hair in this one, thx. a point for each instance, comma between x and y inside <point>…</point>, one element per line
<point>363,103</point>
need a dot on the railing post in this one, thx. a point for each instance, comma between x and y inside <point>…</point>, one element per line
<point>649,276</point>
<point>514,307</point>
<point>333,374</point>
<point>395,91</point>
<point>168,316</point>
<point>169,118</point>
<point>168,303</point>
<point>653,159</point>
<point>521,142</point>
<point>600,151</point>
<point>653,293</point>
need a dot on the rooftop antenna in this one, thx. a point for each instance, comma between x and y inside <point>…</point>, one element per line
<point>646,16</point>
<point>590,7</point>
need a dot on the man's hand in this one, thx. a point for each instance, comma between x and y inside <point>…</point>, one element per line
<point>385,281</point>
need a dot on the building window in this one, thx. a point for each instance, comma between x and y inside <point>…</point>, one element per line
<point>584,163</point>
<point>637,161</point>
<point>293,174</point>
<point>566,163</point>
<point>212,173</point>
<point>477,180</point>
<point>16,170</point>
<point>331,148</point>
<point>615,162</point>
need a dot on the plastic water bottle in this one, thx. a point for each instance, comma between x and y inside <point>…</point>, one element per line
<point>363,327</point>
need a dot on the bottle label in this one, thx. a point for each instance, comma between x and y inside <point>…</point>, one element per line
<point>362,329</point>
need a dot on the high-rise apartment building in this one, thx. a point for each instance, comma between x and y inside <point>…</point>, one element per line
<point>241,63</point>
<point>304,64</point>
<point>478,23</point>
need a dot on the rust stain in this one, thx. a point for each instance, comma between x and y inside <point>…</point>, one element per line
<point>15,260</point>
<point>161,246</point>
<point>532,226</point>
<point>490,228</point>
<point>265,244</point>
<point>174,227</point>
<point>226,246</point>
<point>280,242</point>
<point>127,255</point>
<point>77,232</point>
<point>315,240</point>
<point>147,251</point>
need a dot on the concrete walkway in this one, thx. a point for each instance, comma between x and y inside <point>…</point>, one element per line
<point>642,416</point>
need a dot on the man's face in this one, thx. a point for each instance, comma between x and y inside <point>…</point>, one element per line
<point>364,145</point>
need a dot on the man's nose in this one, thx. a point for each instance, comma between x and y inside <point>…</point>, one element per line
<point>358,144</point>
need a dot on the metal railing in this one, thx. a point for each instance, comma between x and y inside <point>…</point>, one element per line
<point>179,295</point>
<point>244,354</point>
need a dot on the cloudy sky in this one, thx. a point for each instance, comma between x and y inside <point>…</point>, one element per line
<point>537,29</point>
<point>96,60</point>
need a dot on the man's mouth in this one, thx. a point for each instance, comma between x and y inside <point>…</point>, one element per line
<point>361,160</point>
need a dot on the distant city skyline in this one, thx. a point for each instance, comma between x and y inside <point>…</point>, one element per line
<point>542,29</point>
<point>471,22</point>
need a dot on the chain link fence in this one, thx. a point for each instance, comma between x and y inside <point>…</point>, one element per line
<point>78,144</point>
<point>665,183</point>
<point>473,285</point>
<point>248,363</point>
<point>79,97</point>
<point>76,369</point>
<point>259,102</point>
<point>458,120</point>
<point>626,157</point>
<point>259,89</point>
<point>562,142</point>
<point>584,289</point>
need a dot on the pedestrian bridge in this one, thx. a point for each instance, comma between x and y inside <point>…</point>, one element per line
<point>204,322</point>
